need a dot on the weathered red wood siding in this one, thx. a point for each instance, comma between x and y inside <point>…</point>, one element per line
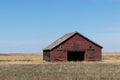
<point>83,45</point>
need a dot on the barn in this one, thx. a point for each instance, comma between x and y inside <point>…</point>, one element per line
<point>73,47</point>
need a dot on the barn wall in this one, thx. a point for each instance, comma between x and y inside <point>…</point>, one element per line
<point>76,43</point>
<point>58,55</point>
<point>46,55</point>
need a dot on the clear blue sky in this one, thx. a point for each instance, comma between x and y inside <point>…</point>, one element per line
<point>31,25</point>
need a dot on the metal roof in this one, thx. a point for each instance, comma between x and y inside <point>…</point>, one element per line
<point>64,38</point>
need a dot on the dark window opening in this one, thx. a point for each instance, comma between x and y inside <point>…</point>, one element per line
<point>76,56</point>
<point>60,47</point>
<point>91,47</point>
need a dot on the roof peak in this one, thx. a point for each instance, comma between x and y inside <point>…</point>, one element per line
<point>64,38</point>
<point>73,32</point>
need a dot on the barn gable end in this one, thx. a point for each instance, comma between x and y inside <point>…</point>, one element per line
<point>73,47</point>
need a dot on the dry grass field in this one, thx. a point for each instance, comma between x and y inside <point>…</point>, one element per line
<point>36,58</point>
<point>29,58</point>
<point>32,67</point>
<point>110,57</point>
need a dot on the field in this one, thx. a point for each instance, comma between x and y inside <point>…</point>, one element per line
<point>32,67</point>
<point>29,58</point>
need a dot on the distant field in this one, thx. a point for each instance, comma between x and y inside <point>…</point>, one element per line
<point>32,67</point>
<point>111,57</point>
<point>32,58</point>
<point>37,58</point>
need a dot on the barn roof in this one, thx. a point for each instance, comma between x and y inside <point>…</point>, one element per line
<point>66,37</point>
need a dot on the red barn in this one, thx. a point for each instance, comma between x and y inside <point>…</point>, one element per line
<point>73,47</point>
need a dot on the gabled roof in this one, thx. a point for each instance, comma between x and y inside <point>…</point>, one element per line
<point>64,38</point>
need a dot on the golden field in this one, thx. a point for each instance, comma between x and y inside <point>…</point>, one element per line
<point>37,58</point>
<point>21,58</point>
<point>32,67</point>
<point>111,57</point>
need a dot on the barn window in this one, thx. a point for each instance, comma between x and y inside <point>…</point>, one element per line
<point>91,55</point>
<point>60,47</point>
<point>91,47</point>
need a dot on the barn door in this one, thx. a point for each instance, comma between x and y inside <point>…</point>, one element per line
<point>76,56</point>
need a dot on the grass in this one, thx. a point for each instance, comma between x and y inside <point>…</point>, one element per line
<point>111,57</point>
<point>31,58</point>
<point>64,71</point>
<point>31,67</point>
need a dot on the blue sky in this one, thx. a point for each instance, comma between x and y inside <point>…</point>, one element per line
<point>31,25</point>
